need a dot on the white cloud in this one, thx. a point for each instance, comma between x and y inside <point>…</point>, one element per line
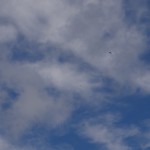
<point>42,20</point>
<point>105,132</point>
<point>65,77</point>
<point>143,81</point>
<point>107,33</point>
<point>88,29</point>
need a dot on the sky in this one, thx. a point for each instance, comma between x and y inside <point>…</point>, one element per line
<point>74,75</point>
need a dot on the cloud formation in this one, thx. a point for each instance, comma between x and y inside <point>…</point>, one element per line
<point>104,132</point>
<point>55,59</point>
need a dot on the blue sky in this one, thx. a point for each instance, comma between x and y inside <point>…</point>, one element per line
<point>61,88</point>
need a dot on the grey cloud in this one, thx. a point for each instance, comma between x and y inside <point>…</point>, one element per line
<point>33,103</point>
<point>8,33</point>
<point>5,145</point>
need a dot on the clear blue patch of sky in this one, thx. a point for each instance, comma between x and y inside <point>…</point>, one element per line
<point>133,108</point>
<point>134,143</point>
<point>75,140</point>
<point>24,50</point>
<point>145,57</point>
<point>9,98</point>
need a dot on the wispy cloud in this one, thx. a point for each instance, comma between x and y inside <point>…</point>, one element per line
<point>87,30</point>
<point>105,132</point>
